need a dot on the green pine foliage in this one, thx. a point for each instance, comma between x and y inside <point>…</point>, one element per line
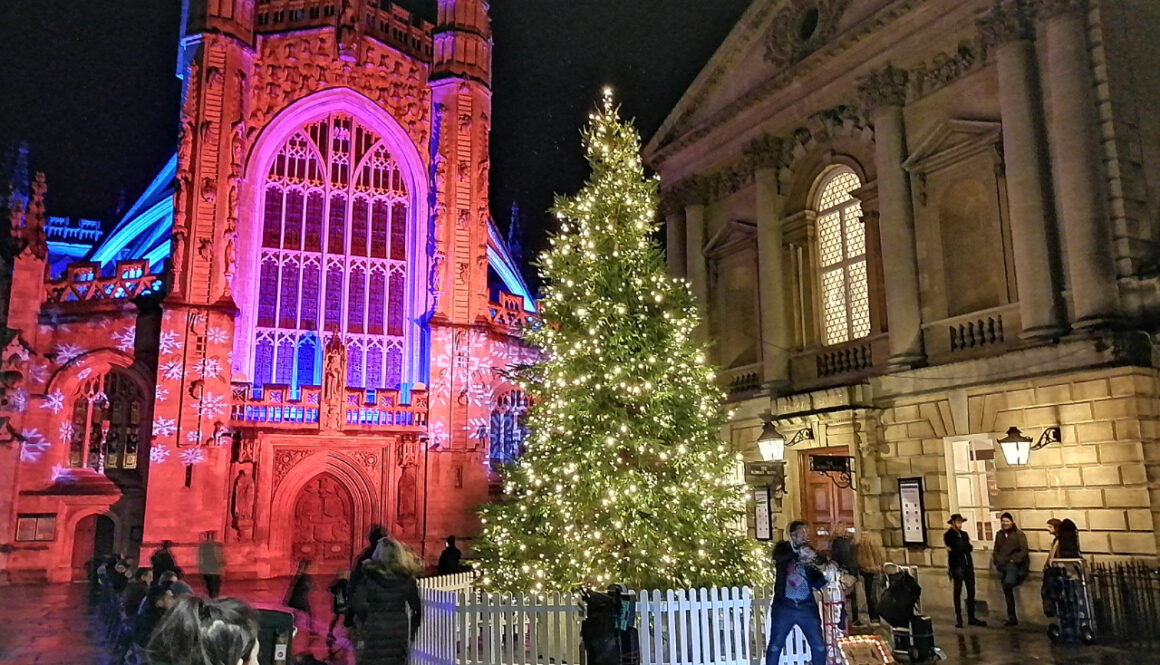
<point>625,478</point>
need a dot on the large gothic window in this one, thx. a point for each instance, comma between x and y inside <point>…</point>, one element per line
<point>104,428</point>
<point>333,257</point>
<point>842,259</point>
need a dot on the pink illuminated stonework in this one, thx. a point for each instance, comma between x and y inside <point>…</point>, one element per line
<point>313,347</point>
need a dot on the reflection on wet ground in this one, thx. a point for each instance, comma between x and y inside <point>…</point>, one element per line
<point>49,625</point>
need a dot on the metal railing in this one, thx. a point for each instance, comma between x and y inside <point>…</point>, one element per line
<point>1126,599</point>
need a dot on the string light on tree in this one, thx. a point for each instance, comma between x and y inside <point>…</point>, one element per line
<point>624,479</point>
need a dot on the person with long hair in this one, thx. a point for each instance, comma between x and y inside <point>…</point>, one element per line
<point>386,605</point>
<point>206,632</point>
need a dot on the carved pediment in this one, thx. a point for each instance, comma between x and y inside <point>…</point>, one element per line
<point>952,142</point>
<point>734,236</point>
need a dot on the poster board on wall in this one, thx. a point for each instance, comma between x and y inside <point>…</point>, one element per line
<point>913,509</point>
<point>762,514</point>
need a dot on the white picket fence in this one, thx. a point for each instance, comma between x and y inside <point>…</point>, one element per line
<point>726,626</point>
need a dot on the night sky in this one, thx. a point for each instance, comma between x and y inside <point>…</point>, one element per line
<point>91,87</point>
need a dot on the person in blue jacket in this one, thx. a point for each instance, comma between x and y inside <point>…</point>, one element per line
<point>793,595</point>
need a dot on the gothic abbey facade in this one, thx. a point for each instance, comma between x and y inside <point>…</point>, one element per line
<point>298,331</point>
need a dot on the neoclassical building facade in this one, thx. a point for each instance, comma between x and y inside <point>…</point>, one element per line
<point>914,225</point>
<point>301,327</point>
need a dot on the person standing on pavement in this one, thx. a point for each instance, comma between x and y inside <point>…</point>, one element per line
<point>209,564</point>
<point>136,591</point>
<point>386,605</point>
<point>870,557</point>
<point>793,596</point>
<point>1012,561</point>
<point>449,559</point>
<point>162,560</point>
<point>961,568</point>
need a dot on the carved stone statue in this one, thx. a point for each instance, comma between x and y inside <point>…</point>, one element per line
<point>178,249</point>
<point>244,497</point>
<point>347,33</point>
<point>229,257</point>
<point>405,512</point>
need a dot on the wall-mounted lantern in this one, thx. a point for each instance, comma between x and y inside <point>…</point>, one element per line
<point>1017,448</point>
<point>771,445</point>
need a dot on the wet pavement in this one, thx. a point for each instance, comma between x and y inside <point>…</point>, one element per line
<point>50,625</point>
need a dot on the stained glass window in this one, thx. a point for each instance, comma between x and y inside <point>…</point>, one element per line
<point>104,430</point>
<point>842,259</point>
<point>334,258</point>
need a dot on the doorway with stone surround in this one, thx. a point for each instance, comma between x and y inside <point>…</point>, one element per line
<point>824,504</point>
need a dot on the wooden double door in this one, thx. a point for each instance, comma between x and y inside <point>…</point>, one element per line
<point>824,504</point>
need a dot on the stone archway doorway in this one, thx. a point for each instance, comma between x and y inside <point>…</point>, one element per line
<point>324,524</point>
<point>92,538</point>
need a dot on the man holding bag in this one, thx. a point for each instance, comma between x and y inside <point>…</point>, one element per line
<point>1012,561</point>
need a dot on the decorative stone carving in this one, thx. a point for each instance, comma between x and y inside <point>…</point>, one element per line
<point>284,460</point>
<point>944,69</point>
<point>243,497</point>
<point>1007,22</point>
<point>882,88</point>
<point>333,405</point>
<point>323,521</point>
<point>298,65</point>
<point>801,28</point>
<point>764,152</point>
<point>368,461</point>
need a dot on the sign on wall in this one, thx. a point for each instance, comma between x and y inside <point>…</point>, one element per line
<point>913,511</point>
<point>762,515</point>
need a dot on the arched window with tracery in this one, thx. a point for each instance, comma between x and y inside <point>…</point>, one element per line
<point>842,258</point>
<point>104,427</point>
<point>333,257</point>
<point>506,430</point>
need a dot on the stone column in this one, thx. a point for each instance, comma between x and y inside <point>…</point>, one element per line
<point>884,94</point>
<point>1077,159</point>
<point>775,323</point>
<point>696,267</point>
<point>675,243</point>
<point>1034,241</point>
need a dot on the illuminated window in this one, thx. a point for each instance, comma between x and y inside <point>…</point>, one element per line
<point>333,257</point>
<point>974,486</point>
<point>30,528</point>
<point>842,259</point>
<point>105,423</point>
<point>506,430</point>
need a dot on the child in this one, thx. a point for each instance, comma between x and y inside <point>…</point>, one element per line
<point>340,591</point>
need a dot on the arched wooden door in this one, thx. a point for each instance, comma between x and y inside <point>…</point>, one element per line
<point>324,523</point>
<point>93,538</point>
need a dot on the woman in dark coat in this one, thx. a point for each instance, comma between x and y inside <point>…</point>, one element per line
<point>386,606</point>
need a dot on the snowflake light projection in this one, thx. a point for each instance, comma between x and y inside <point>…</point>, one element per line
<point>437,435</point>
<point>477,428</point>
<point>37,373</point>
<point>124,339</point>
<point>158,453</point>
<point>207,367</point>
<point>191,456</point>
<point>217,335</point>
<point>18,400</point>
<point>211,405</point>
<point>169,342</point>
<point>193,436</point>
<point>63,474</point>
<point>66,353</point>
<point>481,393</point>
<point>172,370</point>
<point>33,446</point>
<point>54,401</point>
<point>164,427</point>
<point>160,394</point>
<point>84,373</point>
<point>66,433</point>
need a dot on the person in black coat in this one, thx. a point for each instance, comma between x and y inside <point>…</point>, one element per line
<point>961,569</point>
<point>793,595</point>
<point>386,606</point>
<point>450,558</point>
<point>298,596</point>
<point>356,572</point>
<point>162,560</point>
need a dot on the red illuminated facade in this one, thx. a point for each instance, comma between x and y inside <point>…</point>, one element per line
<point>320,350</point>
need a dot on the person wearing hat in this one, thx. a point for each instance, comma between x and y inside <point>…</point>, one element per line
<point>961,569</point>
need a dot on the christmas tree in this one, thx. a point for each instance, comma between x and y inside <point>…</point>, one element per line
<point>625,478</point>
